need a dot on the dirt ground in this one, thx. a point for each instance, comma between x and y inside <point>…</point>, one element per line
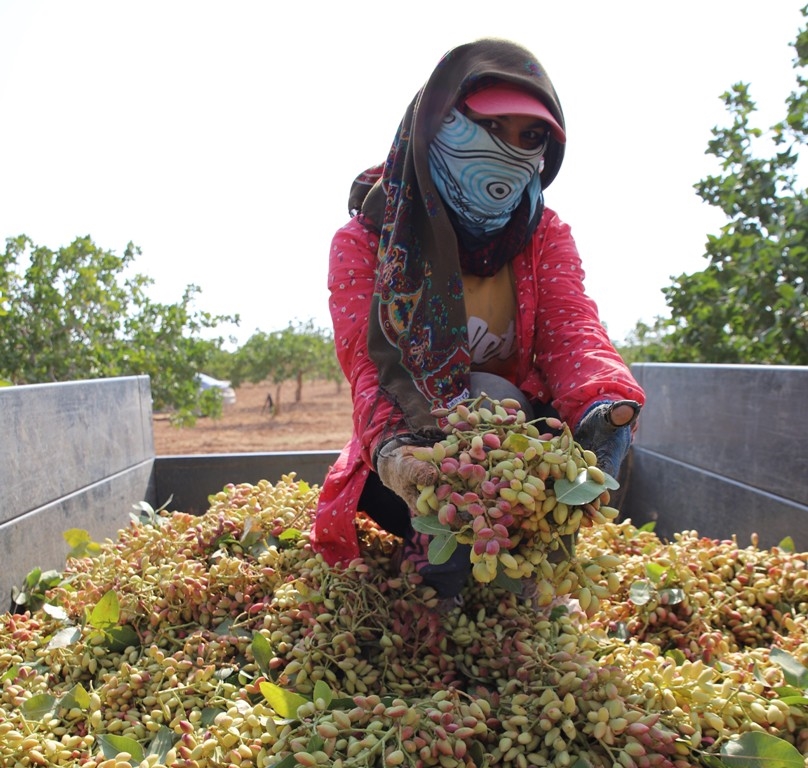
<point>320,421</point>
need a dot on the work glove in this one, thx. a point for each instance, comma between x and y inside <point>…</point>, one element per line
<point>402,473</point>
<point>610,442</point>
<point>447,578</point>
<point>405,475</point>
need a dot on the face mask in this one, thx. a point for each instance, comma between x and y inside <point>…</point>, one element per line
<point>481,178</point>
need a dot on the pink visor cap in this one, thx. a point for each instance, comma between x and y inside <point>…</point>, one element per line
<point>506,99</point>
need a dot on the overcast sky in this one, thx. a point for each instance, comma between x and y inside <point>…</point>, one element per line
<point>221,138</point>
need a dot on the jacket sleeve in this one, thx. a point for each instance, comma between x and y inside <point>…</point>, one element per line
<point>351,279</point>
<point>574,362</point>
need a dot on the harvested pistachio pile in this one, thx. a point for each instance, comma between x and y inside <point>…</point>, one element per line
<point>223,640</point>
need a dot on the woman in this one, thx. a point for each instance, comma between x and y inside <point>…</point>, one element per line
<point>451,278</point>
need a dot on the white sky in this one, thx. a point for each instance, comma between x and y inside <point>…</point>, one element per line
<point>222,137</point>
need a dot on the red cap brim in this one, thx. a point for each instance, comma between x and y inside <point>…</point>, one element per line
<point>503,99</point>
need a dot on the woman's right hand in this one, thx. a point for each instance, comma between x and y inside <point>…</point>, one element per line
<point>402,473</point>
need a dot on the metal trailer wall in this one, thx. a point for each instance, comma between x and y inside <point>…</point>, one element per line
<point>72,455</point>
<point>719,449</point>
<point>188,481</point>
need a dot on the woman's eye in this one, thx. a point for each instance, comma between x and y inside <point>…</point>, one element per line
<point>487,123</point>
<point>534,139</point>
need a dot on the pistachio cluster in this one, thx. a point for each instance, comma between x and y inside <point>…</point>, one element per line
<point>516,495</point>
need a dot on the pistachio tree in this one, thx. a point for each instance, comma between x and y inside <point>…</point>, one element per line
<point>80,312</point>
<point>749,304</point>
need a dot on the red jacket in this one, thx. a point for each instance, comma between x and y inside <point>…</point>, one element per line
<point>565,356</point>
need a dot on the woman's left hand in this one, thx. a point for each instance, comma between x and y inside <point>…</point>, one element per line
<point>606,430</point>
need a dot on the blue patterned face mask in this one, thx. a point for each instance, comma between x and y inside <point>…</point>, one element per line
<point>481,178</point>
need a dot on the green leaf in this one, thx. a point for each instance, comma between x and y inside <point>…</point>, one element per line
<point>38,706</point>
<point>795,701</point>
<point>783,691</point>
<point>162,742</point>
<point>558,612</point>
<point>49,579</point>
<point>620,631</point>
<point>64,638</point>
<point>640,592</point>
<point>674,595</point>
<point>251,536</point>
<point>226,628</point>
<point>55,611</point>
<point>678,657</point>
<point>582,490</point>
<point>787,544</point>
<point>342,703</point>
<point>315,743</point>
<point>145,513</point>
<point>290,534</point>
<point>262,651</point>
<point>144,506</point>
<point>121,637</point>
<point>759,675</point>
<point>655,572</point>
<point>112,745</point>
<point>508,583</point>
<point>760,750</point>
<point>516,442</point>
<point>10,673</point>
<point>80,543</point>
<point>285,703</point>
<point>260,546</point>
<point>32,577</point>
<point>148,516</point>
<point>106,613</point>
<point>429,524</point>
<point>793,671</point>
<point>478,756</point>
<point>441,548</point>
<point>77,697</point>
<point>223,542</point>
<point>288,762</point>
<point>323,691</point>
<point>32,592</point>
<point>209,715</point>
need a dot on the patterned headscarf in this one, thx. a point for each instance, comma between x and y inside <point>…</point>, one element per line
<point>417,336</point>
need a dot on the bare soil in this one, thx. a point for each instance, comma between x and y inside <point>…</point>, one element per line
<point>321,420</point>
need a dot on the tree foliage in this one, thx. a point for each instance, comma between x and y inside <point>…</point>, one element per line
<point>749,304</point>
<point>73,313</point>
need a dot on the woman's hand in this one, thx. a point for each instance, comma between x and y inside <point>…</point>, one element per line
<point>402,473</point>
<point>606,430</point>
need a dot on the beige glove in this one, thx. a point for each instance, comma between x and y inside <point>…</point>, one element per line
<point>402,473</point>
